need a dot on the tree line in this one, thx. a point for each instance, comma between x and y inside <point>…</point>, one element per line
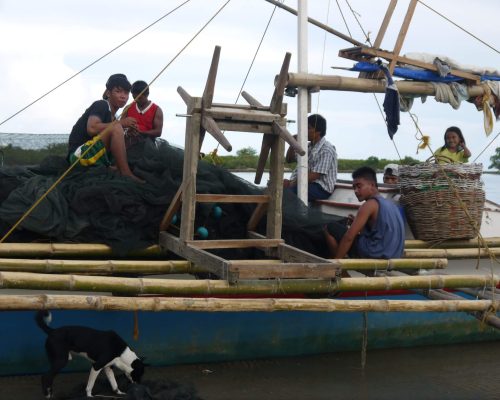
<point>245,159</point>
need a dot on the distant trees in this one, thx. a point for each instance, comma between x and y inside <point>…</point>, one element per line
<point>17,156</point>
<point>495,159</point>
<point>245,158</point>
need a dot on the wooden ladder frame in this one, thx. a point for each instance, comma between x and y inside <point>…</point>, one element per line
<point>203,115</point>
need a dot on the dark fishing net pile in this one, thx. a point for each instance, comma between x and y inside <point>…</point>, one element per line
<point>96,205</point>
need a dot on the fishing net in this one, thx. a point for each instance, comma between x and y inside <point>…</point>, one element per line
<point>96,205</point>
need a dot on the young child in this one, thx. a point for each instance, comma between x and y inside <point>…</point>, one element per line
<point>378,229</point>
<point>454,149</point>
<point>98,129</point>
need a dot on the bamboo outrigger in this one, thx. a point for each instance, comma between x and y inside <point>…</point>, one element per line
<point>288,281</point>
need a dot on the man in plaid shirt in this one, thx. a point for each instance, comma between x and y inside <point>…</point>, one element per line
<point>322,162</point>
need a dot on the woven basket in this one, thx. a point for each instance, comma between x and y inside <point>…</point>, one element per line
<point>436,198</point>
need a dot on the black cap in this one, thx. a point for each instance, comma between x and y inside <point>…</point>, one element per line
<point>117,80</point>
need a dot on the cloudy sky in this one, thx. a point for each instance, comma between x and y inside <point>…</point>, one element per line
<point>45,43</point>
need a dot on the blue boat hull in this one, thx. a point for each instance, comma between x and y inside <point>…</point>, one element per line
<point>193,337</point>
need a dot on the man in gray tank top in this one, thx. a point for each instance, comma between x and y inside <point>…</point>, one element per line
<point>377,231</point>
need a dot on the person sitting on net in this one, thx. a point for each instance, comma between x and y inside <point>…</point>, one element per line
<point>391,174</point>
<point>148,115</point>
<point>99,130</point>
<point>322,162</point>
<point>454,149</point>
<point>377,230</point>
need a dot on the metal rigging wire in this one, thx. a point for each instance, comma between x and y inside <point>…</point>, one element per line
<point>94,62</point>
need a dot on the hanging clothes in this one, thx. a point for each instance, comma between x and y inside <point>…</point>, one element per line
<point>391,103</point>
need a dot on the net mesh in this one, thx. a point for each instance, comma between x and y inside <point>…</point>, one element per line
<point>96,205</point>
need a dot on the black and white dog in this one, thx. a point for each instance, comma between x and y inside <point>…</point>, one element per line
<point>104,348</point>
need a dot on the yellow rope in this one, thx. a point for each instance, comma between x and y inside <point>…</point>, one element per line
<point>53,186</point>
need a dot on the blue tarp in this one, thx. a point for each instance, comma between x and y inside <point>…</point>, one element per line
<point>420,75</point>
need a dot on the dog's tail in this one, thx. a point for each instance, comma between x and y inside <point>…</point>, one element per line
<point>43,318</point>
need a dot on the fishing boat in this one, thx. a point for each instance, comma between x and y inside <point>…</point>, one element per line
<point>290,301</point>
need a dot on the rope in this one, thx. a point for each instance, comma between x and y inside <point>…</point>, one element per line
<point>93,63</point>
<point>343,18</point>
<point>459,27</point>
<point>65,173</point>
<point>488,145</point>
<point>355,13</point>
<point>323,55</point>
<point>213,154</point>
<point>256,52</point>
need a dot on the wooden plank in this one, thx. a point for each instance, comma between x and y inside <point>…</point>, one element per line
<point>283,110</point>
<point>184,95</point>
<point>275,190</point>
<point>292,254</point>
<point>174,206</point>
<point>211,126</point>
<point>210,262</point>
<point>265,148</point>
<point>234,243</point>
<point>252,100</point>
<point>385,24</point>
<point>284,271</point>
<point>402,33</point>
<point>317,23</point>
<point>232,198</point>
<point>208,93</point>
<point>240,126</point>
<point>257,215</point>
<point>405,60</point>
<point>191,154</point>
<point>280,85</point>
<point>283,133</point>
<point>248,115</point>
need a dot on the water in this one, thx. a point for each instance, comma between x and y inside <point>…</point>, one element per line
<point>491,182</point>
<point>454,372</point>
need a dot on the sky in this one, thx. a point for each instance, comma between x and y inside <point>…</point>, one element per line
<point>45,43</point>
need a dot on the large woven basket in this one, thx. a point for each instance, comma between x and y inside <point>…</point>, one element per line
<point>442,201</point>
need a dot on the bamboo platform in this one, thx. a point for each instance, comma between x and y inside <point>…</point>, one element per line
<point>113,281</point>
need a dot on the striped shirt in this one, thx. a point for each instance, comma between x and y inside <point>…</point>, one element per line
<point>322,159</point>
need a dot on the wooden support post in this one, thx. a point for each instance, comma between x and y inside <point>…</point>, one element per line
<point>274,211</point>
<point>402,33</point>
<point>385,23</point>
<point>191,154</point>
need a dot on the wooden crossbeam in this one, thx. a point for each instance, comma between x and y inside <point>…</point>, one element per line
<point>241,114</point>
<point>405,60</point>
<point>234,243</point>
<point>365,53</point>
<point>283,271</point>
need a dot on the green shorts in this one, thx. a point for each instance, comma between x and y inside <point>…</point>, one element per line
<point>95,156</point>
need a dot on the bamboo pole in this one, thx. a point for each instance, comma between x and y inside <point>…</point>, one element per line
<point>486,316</point>
<point>452,254</point>
<point>336,82</point>
<point>77,250</point>
<point>95,250</point>
<point>452,244</point>
<point>109,303</point>
<point>100,267</point>
<point>175,287</point>
<point>155,267</point>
